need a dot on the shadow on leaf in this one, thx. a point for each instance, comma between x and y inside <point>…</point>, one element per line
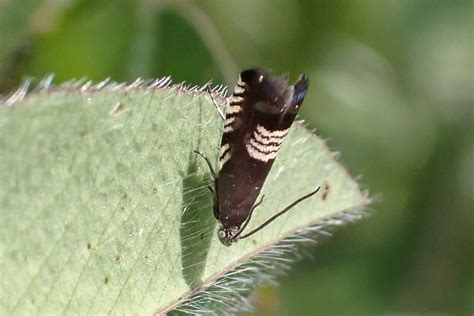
<point>197,223</point>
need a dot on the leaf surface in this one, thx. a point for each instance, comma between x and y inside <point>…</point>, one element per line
<point>105,208</point>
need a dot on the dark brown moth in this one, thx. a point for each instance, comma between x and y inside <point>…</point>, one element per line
<point>260,113</point>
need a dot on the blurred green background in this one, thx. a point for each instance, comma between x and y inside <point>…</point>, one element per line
<point>391,87</point>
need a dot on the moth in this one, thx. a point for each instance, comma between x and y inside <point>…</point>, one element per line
<point>261,111</point>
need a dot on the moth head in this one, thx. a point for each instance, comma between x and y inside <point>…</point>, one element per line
<point>227,235</point>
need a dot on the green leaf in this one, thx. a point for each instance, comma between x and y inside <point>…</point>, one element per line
<point>105,208</point>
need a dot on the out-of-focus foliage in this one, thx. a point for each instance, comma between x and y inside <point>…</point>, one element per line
<point>391,87</point>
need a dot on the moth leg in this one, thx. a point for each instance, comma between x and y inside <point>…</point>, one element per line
<point>214,175</point>
<point>214,191</point>
<point>215,207</point>
<point>219,111</point>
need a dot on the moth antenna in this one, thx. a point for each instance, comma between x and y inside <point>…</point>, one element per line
<point>214,175</point>
<point>248,218</point>
<point>286,209</point>
<point>219,111</point>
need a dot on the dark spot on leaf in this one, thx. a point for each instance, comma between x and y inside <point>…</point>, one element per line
<point>254,241</point>
<point>89,245</point>
<point>83,134</point>
<point>125,196</point>
<point>201,236</point>
<point>326,191</point>
<point>118,258</point>
<point>146,257</point>
<point>155,190</point>
<point>106,280</point>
